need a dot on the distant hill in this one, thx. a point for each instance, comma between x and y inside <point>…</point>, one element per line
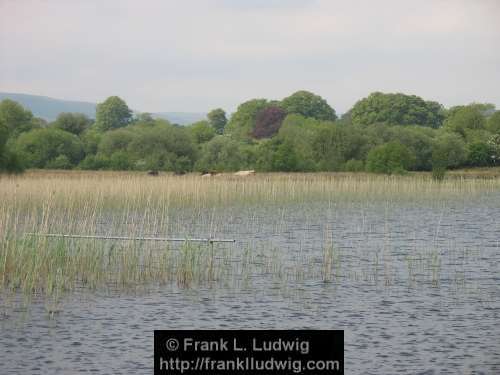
<point>49,108</point>
<point>181,118</point>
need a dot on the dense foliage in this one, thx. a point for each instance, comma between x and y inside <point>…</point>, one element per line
<point>308,104</point>
<point>242,122</point>
<point>75,123</point>
<point>268,121</point>
<point>389,158</point>
<point>217,119</point>
<point>397,109</point>
<point>383,133</point>
<point>48,147</point>
<point>113,113</point>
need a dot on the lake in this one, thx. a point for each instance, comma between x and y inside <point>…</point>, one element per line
<point>414,283</point>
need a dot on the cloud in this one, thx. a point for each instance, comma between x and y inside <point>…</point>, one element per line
<point>195,55</point>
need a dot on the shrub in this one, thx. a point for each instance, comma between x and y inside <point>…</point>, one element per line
<point>461,119</point>
<point>354,165</point>
<point>182,165</point>
<point>40,146</point>
<point>285,158</point>
<point>449,150</point>
<point>390,158</point>
<point>160,145</point>
<point>60,162</point>
<point>493,123</point>
<point>201,132</point>
<point>75,123</point>
<point>10,162</point>
<point>220,154</point>
<point>115,140</point>
<point>120,161</point>
<point>480,155</point>
<point>94,162</point>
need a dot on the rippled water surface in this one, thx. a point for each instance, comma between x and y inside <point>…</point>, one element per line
<point>415,286</point>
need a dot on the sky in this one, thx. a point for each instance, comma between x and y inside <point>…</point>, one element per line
<point>193,56</point>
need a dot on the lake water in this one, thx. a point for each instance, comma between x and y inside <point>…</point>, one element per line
<point>414,284</point>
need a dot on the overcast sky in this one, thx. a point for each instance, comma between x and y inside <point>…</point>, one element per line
<point>186,55</point>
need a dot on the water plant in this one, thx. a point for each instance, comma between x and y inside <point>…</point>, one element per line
<point>131,204</point>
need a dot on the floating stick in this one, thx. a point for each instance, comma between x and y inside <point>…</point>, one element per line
<point>208,240</point>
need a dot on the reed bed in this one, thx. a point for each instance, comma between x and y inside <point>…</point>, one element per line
<point>108,190</point>
<point>133,204</point>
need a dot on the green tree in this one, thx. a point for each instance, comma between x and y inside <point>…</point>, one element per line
<point>115,140</point>
<point>285,158</point>
<point>264,154</point>
<point>354,165</point>
<point>449,150</point>
<point>75,123</point>
<point>94,162</point>
<point>10,161</point>
<point>60,162</point>
<point>397,109</point>
<point>161,146</point>
<point>330,144</point>
<point>242,122</point>
<point>299,133</point>
<point>493,124</point>
<point>485,109</point>
<point>4,133</point>
<point>120,161</point>
<point>308,104</point>
<point>201,132</point>
<point>91,139</point>
<point>39,147</point>
<point>390,158</point>
<point>480,154</point>
<point>113,113</point>
<point>419,141</point>
<point>144,118</point>
<point>221,154</point>
<point>217,119</point>
<point>16,118</point>
<point>464,118</point>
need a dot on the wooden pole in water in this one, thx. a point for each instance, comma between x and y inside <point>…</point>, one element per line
<point>208,240</point>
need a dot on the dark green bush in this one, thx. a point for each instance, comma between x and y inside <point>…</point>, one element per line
<point>60,162</point>
<point>354,166</point>
<point>390,158</point>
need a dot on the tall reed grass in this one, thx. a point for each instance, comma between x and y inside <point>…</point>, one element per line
<point>99,191</point>
<point>134,204</point>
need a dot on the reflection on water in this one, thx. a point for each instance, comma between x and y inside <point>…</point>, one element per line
<point>415,286</point>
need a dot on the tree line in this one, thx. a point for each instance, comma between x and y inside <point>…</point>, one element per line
<point>382,133</point>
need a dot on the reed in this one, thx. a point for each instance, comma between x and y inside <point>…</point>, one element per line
<point>84,191</point>
<point>132,204</point>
